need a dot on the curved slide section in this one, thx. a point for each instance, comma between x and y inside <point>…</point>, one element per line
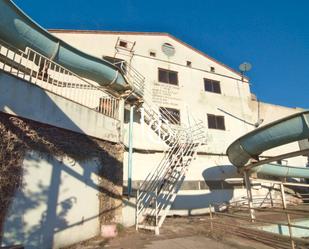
<point>283,131</point>
<point>18,30</point>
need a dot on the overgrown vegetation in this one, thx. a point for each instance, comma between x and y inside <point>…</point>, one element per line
<point>12,151</point>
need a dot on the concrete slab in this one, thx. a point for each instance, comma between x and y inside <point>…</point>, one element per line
<point>196,242</point>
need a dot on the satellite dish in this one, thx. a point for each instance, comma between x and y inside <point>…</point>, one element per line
<point>245,67</point>
<point>168,49</point>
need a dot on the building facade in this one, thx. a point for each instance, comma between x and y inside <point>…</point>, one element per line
<point>191,86</point>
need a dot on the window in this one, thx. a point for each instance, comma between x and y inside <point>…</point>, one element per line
<point>212,86</point>
<point>107,106</point>
<point>212,69</point>
<point>189,64</point>
<point>215,122</point>
<point>152,54</point>
<point>123,44</point>
<point>168,76</point>
<point>171,114</point>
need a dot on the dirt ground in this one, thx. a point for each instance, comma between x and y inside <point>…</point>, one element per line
<point>176,233</point>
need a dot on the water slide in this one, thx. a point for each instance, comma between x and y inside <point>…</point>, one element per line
<point>283,131</point>
<point>18,30</point>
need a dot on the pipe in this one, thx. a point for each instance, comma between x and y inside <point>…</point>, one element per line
<point>130,151</point>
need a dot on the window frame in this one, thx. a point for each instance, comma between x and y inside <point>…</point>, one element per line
<point>168,76</point>
<point>211,83</point>
<point>217,125</point>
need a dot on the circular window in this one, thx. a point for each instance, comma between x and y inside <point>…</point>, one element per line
<point>168,49</point>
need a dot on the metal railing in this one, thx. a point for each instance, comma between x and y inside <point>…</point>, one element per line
<point>288,211</point>
<point>133,77</point>
<point>159,116</point>
<point>253,231</point>
<point>163,182</point>
<point>160,187</point>
<point>45,73</point>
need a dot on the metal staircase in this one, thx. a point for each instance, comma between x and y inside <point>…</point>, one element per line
<point>158,191</point>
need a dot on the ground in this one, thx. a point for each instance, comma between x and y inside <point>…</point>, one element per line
<point>176,233</point>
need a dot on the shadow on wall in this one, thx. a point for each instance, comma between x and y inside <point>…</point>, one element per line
<point>50,208</point>
<point>219,190</point>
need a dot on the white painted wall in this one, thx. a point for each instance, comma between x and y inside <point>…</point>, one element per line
<point>235,104</point>
<point>17,97</point>
<point>58,204</point>
<point>189,96</point>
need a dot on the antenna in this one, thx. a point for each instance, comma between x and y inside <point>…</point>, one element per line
<point>244,67</point>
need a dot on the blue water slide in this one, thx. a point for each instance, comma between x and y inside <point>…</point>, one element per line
<point>20,31</point>
<point>280,132</point>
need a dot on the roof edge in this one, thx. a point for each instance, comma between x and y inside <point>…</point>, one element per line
<point>149,33</point>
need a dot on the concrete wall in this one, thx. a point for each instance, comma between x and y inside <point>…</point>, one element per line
<point>235,103</point>
<point>17,97</point>
<point>54,208</point>
<point>62,185</point>
<point>103,43</point>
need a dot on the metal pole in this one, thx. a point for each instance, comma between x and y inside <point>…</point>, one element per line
<point>136,210</point>
<point>249,195</point>
<point>282,196</point>
<point>210,214</point>
<point>287,215</point>
<point>157,232</point>
<point>130,151</point>
<point>156,206</point>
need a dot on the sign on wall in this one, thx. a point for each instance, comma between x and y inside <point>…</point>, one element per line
<point>166,95</point>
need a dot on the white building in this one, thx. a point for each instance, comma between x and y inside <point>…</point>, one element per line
<point>67,189</point>
<point>193,86</point>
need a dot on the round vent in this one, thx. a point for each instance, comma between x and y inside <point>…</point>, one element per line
<point>168,49</point>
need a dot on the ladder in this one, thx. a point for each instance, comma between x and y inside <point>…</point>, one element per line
<point>124,48</point>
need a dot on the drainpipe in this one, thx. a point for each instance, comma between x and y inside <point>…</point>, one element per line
<point>130,151</point>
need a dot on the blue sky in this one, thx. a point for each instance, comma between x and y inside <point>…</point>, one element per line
<point>272,35</point>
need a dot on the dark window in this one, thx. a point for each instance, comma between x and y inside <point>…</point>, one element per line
<point>189,64</point>
<point>171,115</point>
<point>215,122</point>
<point>212,86</point>
<point>212,69</point>
<point>168,76</point>
<point>153,54</point>
<point>123,44</point>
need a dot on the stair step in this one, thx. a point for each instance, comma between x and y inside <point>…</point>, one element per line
<point>147,227</point>
<point>181,151</point>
